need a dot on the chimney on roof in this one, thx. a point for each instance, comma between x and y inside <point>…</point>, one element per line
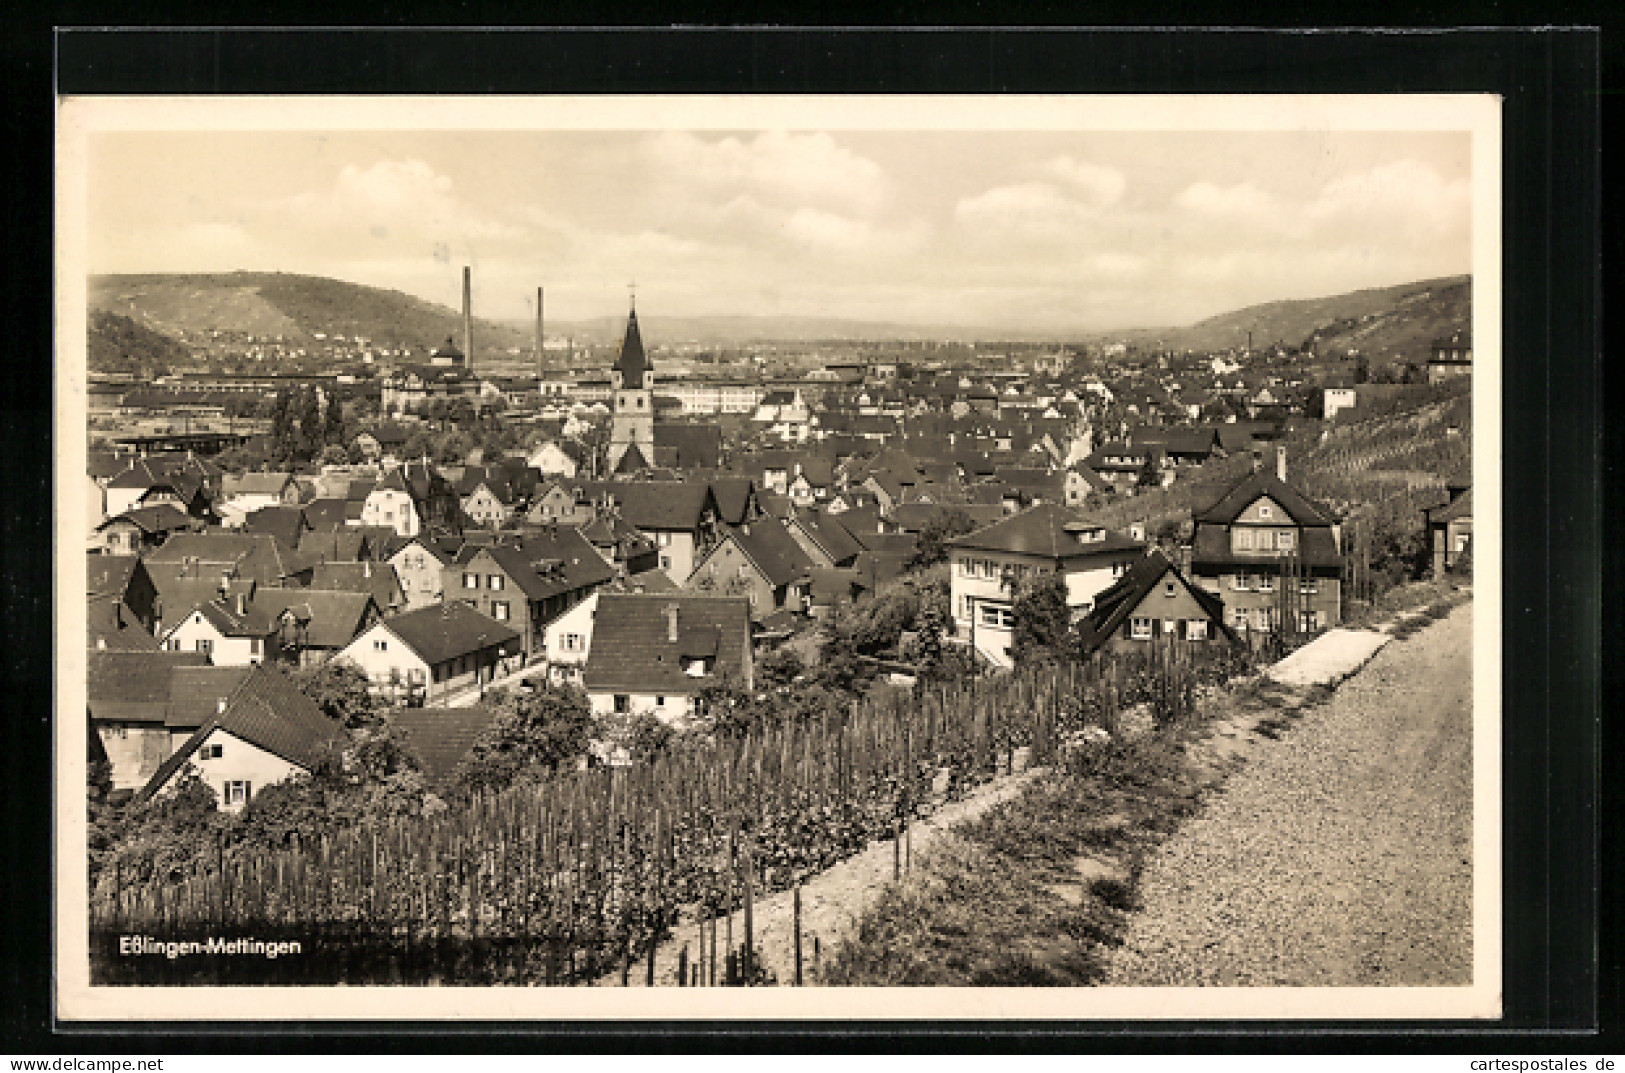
<point>225,585</point>
<point>1280,462</point>
<point>101,642</point>
<point>468,319</point>
<point>242,604</point>
<point>220,706</point>
<point>366,568</point>
<point>671,623</point>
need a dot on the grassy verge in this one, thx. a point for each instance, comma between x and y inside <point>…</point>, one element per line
<point>1036,891</point>
<point>1028,893</point>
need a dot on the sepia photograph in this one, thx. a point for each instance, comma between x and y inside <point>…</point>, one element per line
<point>996,557</point>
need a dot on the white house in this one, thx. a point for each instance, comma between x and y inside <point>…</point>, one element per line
<point>551,459</point>
<point>390,504</point>
<point>988,564</point>
<point>652,653</point>
<point>420,565</point>
<point>567,642</point>
<point>231,632</point>
<point>265,732</point>
<point>434,652</point>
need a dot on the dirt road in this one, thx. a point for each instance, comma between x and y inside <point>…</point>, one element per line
<point>1341,854</point>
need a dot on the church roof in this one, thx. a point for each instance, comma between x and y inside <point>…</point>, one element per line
<point>632,364</point>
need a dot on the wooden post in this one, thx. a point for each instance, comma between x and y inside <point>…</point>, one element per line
<point>750,899</point>
<point>649,977</point>
<point>796,903</point>
<point>682,966</point>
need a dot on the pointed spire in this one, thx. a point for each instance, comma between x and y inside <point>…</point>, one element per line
<point>632,364</point>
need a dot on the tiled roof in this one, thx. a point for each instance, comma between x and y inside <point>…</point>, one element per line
<point>110,574</point>
<point>447,631</point>
<point>224,617</point>
<point>632,650</point>
<point>326,515</point>
<point>648,581</point>
<point>160,518</point>
<point>331,618</point>
<point>441,737</point>
<point>733,497</point>
<point>826,531</point>
<point>195,694</point>
<point>133,686</point>
<point>685,446</point>
<point>662,505</point>
<point>269,711</point>
<point>334,546</point>
<point>111,626</point>
<point>1120,601</point>
<point>378,579</point>
<point>269,484</point>
<point>769,545</point>
<point>266,559</point>
<point>545,564</point>
<point>1455,511</point>
<point>1262,482</point>
<point>631,460</point>
<point>286,523</point>
<point>1049,530</point>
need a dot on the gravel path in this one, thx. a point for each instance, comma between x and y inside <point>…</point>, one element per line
<point>1340,854</point>
<point>832,901</point>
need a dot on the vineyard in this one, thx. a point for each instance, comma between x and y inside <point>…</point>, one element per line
<point>581,877</point>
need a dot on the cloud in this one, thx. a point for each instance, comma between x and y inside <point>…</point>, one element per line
<point>1243,201</point>
<point>402,198</point>
<point>775,167</point>
<point>1098,185</point>
<point>1024,211</point>
<point>1406,192</point>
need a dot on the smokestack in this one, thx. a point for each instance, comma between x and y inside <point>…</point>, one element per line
<point>671,623</point>
<point>468,319</point>
<point>1280,463</point>
<point>242,604</point>
<point>540,350</point>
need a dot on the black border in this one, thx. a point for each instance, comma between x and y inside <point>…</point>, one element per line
<point>1549,81</point>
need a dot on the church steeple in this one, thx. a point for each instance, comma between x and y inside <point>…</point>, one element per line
<point>632,364</point>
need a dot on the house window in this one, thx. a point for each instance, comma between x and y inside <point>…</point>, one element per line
<point>237,792</point>
<point>1238,618</point>
<point>1168,589</point>
<point>998,617</point>
<point>494,582</point>
<point>254,646</point>
<point>1283,540</point>
<point>1244,539</point>
<point>471,581</point>
<point>205,645</point>
<point>1196,629</point>
<point>663,540</point>
<point>623,703</point>
<point>967,607</point>
<point>660,702</point>
<point>1169,627</point>
<point>499,610</point>
<point>213,752</point>
<point>1266,583</point>
<point>1308,586</point>
<point>1140,629</point>
<point>380,646</point>
<point>665,562</point>
<point>1266,511</point>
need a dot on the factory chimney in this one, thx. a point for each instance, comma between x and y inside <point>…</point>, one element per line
<point>468,319</point>
<point>540,350</point>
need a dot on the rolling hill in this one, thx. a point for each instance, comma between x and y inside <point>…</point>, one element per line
<point>1385,324</point>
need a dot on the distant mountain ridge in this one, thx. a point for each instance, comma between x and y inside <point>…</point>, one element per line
<point>1386,323</point>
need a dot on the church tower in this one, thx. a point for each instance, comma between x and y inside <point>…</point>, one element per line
<point>632,383</point>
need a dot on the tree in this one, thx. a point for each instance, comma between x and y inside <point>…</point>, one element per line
<point>778,668</point>
<point>341,690</point>
<point>931,546</point>
<point>311,430</point>
<point>1042,619</point>
<point>1149,476</point>
<point>1362,369</point>
<point>334,454</point>
<point>532,734</point>
<point>333,430</point>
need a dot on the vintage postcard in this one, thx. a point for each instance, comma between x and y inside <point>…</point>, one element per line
<point>778,557</point>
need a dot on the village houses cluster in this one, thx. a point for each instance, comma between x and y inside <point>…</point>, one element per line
<point>666,555</point>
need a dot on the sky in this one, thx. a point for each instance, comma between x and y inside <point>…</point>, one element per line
<point>1016,229</point>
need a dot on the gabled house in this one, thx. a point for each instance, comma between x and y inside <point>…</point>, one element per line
<point>420,566</point>
<point>391,503</point>
<point>313,625</point>
<point>127,695</point>
<point>759,560</point>
<point>376,579</point>
<point>433,653</point>
<point>826,541</point>
<point>557,504</point>
<point>1154,601</point>
<point>987,565</point>
<point>1080,481</point>
<point>653,654</point>
<point>287,524</point>
<point>346,545</point>
<point>243,495</point>
<point>557,458</point>
<point>141,529</point>
<point>527,582</point>
<point>679,516</point>
<point>1450,528</point>
<point>735,498</point>
<point>230,632</point>
<point>265,732</point>
<point>125,581</point>
<point>264,559</point>
<point>1258,532</point>
<point>626,550</point>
